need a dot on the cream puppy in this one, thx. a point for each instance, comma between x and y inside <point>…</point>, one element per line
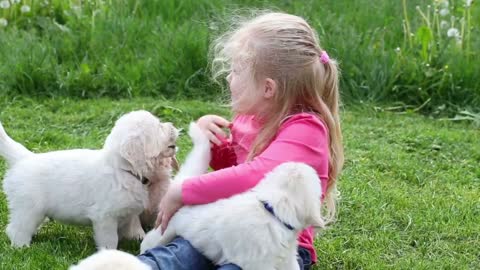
<point>254,230</point>
<point>106,188</point>
<point>110,260</point>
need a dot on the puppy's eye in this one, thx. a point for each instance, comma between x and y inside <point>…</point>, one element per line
<point>145,181</point>
<point>172,146</point>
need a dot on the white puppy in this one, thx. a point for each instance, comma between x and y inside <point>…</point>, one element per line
<point>111,260</point>
<point>254,230</point>
<point>106,188</point>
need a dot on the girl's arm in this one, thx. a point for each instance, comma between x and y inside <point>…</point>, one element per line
<point>301,138</point>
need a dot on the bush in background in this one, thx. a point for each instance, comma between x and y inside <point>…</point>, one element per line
<point>419,54</point>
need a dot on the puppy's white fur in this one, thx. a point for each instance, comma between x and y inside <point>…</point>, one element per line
<point>111,260</point>
<point>96,187</point>
<point>239,230</point>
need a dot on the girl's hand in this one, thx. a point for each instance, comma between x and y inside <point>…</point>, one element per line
<point>169,205</point>
<point>212,126</point>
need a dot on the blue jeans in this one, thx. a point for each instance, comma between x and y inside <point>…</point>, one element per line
<point>181,255</point>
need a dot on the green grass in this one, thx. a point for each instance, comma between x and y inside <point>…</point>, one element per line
<point>157,48</point>
<point>410,188</point>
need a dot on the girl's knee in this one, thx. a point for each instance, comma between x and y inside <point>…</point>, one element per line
<point>178,254</point>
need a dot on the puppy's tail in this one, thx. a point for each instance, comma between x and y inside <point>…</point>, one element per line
<point>198,159</point>
<point>10,149</point>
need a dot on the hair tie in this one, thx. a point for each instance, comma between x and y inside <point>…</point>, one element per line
<point>324,58</point>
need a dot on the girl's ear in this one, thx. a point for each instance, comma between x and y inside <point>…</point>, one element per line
<point>270,88</point>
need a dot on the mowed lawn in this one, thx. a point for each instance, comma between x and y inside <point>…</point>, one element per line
<point>410,190</point>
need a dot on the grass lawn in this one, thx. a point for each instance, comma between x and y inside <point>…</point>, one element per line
<point>410,188</point>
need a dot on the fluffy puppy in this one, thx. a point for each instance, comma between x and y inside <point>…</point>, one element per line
<point>110,260</point>
<point>254,230</point>
<point>105,188</point>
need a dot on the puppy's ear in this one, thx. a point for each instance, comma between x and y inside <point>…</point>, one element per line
<point>132,150</point>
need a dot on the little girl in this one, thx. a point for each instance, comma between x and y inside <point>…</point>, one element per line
<point>285,100</point>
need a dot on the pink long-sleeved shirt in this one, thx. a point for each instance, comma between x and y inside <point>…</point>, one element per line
<point>302,137</point>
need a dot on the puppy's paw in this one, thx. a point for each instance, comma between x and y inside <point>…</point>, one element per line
<point>20,244</point>
<point>197,135</point>
<point>151,240</point>
<point>138,235</point>
<point>18,239</point>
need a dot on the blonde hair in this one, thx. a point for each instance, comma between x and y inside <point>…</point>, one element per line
<point>286,49</point>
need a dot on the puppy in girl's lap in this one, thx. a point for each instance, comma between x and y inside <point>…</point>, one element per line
<point>257,229</point>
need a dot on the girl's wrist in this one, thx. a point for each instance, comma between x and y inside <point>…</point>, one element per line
<point>177,192</point>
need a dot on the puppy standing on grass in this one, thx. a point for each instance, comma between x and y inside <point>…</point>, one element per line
<point>106,188</point>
